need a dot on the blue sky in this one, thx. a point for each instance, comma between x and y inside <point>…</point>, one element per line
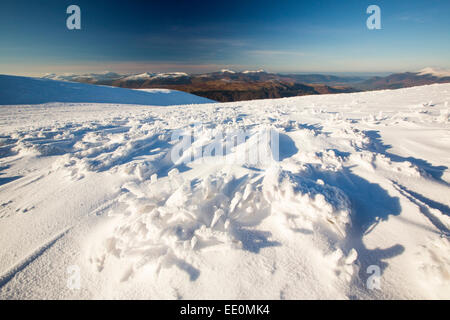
<point>199,36</point>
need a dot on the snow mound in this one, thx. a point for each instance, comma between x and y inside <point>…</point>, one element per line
<point>166,222</point>
<point>23,90</point>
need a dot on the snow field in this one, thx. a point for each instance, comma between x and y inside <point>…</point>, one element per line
<point>356,180</point>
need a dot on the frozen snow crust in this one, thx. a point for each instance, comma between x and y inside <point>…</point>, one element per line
<point>359,185</point>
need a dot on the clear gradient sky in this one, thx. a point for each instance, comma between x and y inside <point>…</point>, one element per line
<point>200,36</point>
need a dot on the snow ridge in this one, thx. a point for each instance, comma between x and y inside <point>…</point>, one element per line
<point>23,90</point>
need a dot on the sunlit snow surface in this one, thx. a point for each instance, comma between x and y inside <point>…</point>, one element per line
<point>15,90</point>
<point>362,180</point>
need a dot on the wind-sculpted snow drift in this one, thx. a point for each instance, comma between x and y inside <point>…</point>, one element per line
<point>340,196</point>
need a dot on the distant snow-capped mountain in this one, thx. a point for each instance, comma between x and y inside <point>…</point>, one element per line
<point>228,85</point>
<point>106,75</point>
<point>140,76</point>
<point>406,79</point>
<point>436,72</point>
<point>224,85</point>
<point>148,75</point>
<point>251,71</point>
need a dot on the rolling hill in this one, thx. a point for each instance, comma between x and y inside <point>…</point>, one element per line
<point>16,90</point>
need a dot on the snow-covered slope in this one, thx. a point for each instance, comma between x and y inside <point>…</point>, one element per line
<point>103,194</point>
<point>23,90</point>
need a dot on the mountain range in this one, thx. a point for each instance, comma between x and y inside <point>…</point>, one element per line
<point>227,85</point>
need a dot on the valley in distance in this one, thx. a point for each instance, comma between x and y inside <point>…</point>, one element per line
<point>227,85</point>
